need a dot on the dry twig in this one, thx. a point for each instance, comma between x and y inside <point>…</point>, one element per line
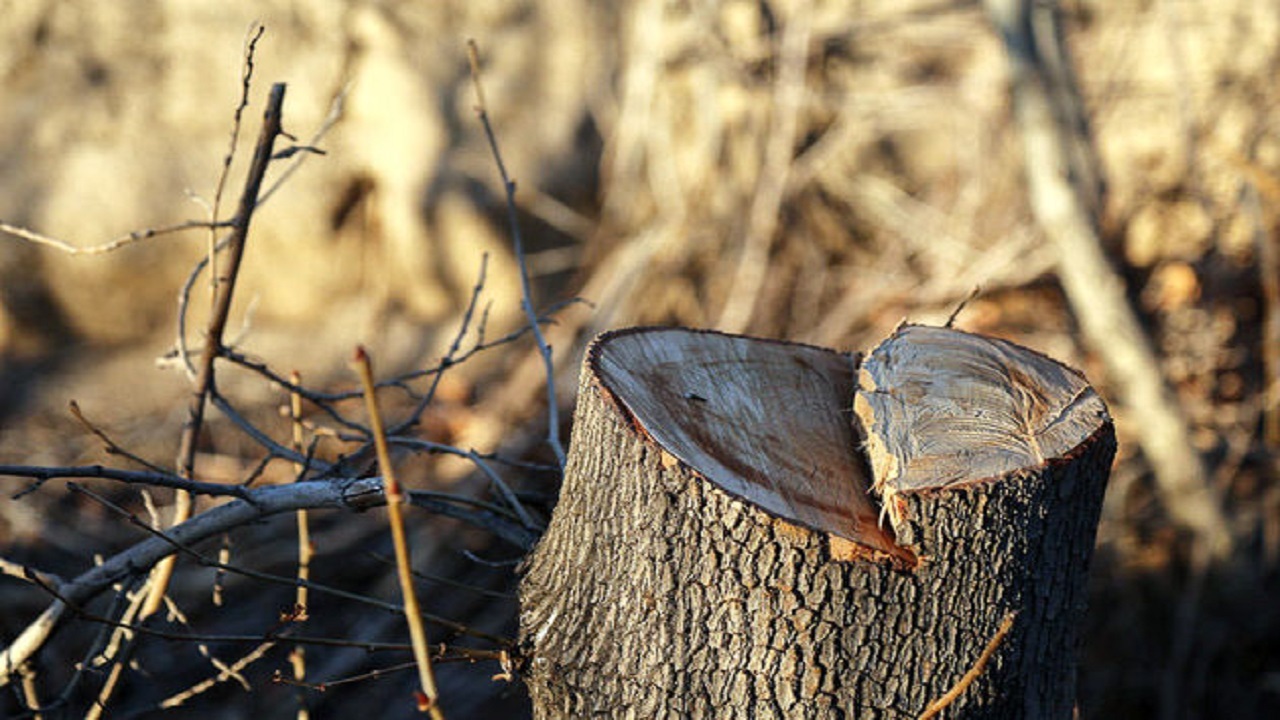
<point>217,324</point>
<point>110,245</point>
<point>937,706</point>
<point>298,657</point>
<point>517,239</point>
<point>430,699</point>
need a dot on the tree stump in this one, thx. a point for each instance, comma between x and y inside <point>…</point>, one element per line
<point>759,529</point>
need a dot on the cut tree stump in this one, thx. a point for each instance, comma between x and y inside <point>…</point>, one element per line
<point>759,529</point>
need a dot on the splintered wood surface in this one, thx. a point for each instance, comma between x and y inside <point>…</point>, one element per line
<point>783,426</point>
<point>769,422</point>
<point>940,406</point>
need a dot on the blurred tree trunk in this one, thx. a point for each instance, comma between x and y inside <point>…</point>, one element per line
<point>1064,188</point>
<point>723,549</point>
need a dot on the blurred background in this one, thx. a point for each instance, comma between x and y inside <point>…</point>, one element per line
<point>816,171</point>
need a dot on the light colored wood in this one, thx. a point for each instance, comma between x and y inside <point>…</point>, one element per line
<point>940,406</point>
<point>769,422</point>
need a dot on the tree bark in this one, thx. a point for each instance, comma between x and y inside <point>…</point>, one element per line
<point>742,532</point>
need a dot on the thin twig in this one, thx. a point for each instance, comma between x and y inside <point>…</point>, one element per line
<point>122,626</point>
<point>30,695</point>
<point>487,517</point>
<point>112,447</point>
<point>26,572</point>
<point>43,474</point>
<point>246,81</point>
<point>220,576</point>
<point>446,580</point>
<point>282,631</point>
<point>955,314</point>
<point>429,701</point>
<point>225,407</point>
<point>463,655</point>
<point>298,657</point>
<point>217,324</point>
<point>937,706</point>
<point>401,381</point>
<point>111,245</point>
<point>336,106</point>
<point>114,641</point>
<point>184,295</point>
<point>450,356</point>
<point>184,301</point>
<point>116,653</point>
<point>505,491</point>
<point>228,672</point>
<point>517,239</point>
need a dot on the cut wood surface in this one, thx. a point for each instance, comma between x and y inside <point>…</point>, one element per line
<point>939,407</point>
<point>719,551</point>
<point>767,422</point>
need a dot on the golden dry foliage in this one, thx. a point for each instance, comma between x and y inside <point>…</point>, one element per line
<point>800,170</point>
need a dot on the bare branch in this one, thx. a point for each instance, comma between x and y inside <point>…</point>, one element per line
<point>261,503</point>
<point>246,77</point>
<point>217,324</point>
<point>450,356</point>
<point>111,446</point>
<point>517,239</point>
<point>429,700</point>
<point>42,474</point>
<point>110,245</point>
<point>1051,120</point>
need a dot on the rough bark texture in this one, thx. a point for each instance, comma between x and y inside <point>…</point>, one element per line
<point>658,593</point>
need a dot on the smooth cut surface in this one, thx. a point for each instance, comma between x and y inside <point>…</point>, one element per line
<point>767,421</point>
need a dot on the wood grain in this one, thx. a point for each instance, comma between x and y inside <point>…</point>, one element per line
<point>768,422</point>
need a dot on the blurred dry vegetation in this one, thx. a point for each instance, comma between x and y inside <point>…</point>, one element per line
<point>816,171</point>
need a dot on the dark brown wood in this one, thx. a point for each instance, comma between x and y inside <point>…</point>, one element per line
<point>721,548</point>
